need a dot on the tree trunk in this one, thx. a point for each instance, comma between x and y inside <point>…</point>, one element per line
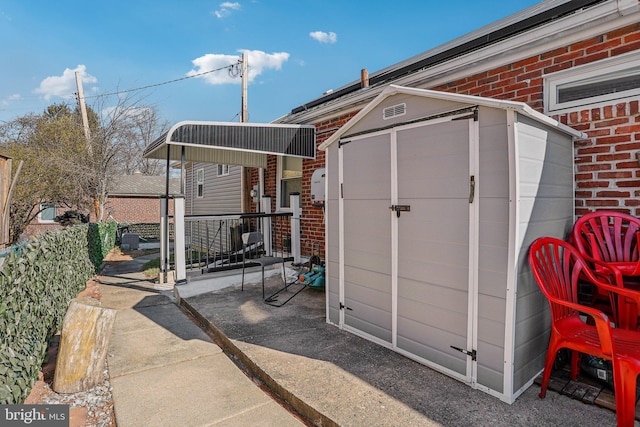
<point>83,346</point>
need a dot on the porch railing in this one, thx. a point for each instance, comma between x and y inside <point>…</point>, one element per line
<point>214,242</point>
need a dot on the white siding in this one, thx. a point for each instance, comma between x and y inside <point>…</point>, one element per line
<point>222,194</point>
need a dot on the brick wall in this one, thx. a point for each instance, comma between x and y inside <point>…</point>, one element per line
<point>607,171</point>
<point>312,224</point>
<point>134,209</point>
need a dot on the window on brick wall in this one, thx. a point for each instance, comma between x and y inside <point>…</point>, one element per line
<point>289,179</point>
<point>223,170</point>
<point>47,213</point>
<point>200,183</point>
<point>598,82</point>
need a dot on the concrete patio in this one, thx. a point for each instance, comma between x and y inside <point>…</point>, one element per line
<point>333,377</point>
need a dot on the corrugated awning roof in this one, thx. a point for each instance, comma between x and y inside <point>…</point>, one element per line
<point>232,143</point>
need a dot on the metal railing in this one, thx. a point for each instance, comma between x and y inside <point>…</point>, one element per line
<point>214,242</point>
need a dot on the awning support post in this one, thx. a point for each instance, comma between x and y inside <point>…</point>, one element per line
<point>179,239</point>
<point>164,239</point>
<point>295,227</point>
<point>266,224</point>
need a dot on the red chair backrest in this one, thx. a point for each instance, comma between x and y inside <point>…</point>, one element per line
<point>607,236</point>
<point>557,266</point>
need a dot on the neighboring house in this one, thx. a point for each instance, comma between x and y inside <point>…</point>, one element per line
<point>133,199</point>
<point>136,198</point>
<point>212,189</point>
<point>45,220</point>
<point>577,61</point>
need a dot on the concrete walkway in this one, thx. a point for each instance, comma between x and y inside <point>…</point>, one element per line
<point>165,371</point>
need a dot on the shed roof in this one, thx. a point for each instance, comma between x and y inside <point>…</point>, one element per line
<point>391,90</point>
<point>139,185</point>
<point>233,143</point>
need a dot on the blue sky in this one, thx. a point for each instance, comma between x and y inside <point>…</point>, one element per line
<point>297,49</point>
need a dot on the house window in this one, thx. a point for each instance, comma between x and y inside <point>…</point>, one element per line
<point>289,179</point>
<point>598,82</point>
<point>200,183</point>
<point>223,170</point>
<point>47,213</point>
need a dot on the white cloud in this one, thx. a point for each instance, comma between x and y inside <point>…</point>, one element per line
<point>257,60</point>
<point>64,86</point>
<point>226,8</point>
<point>10,98</point>
<point>323,37</point>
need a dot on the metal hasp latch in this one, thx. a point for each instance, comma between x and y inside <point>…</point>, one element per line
<point>400,208</point>
<point>342,307</point>
<point>471,353</point>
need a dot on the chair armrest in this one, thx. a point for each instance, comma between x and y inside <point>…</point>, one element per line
<point>625,301</point>
<point>603,325</point>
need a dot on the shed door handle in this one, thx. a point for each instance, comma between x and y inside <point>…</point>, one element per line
<point>472,188</point>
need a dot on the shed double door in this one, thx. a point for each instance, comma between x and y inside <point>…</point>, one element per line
<point>408,257</point>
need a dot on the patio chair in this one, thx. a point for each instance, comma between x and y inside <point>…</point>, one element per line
<point>608,239</point>
<point>557,267</point>
<point>253,245</point>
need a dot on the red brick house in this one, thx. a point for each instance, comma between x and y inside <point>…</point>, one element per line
<point>576,61</point>
<point>136,198</point>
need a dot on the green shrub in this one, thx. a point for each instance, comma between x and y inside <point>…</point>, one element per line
<point>37,281</point>
<point>101,238</point>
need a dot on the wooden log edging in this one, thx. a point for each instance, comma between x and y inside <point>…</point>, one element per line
<point>305,410</point>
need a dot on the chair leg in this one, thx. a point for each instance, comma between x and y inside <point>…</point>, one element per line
<point>624,382</point>
<point>263,282</point>
<point>242,286</point>
<point>552,351</point>
<point>575,364</point>
<point>284,277</point>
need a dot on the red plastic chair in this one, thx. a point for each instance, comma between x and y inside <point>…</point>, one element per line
<point>610,239</point>
<point>557,267</point>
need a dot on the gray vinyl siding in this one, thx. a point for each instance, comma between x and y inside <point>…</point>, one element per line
<point>222,194</point>
<point>546,194</point>
<point>493,191</point>
<point>333,236</point>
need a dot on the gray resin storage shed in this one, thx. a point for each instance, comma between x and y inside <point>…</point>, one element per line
<point>433,199</point>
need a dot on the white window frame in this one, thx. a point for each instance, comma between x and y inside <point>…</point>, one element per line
<point>223,170</point>
<point>594,71</point>
<point>200,183</point>
<point>43,207</point>
<point>279,207</point>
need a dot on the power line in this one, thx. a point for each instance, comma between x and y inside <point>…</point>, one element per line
<point>230,67</point>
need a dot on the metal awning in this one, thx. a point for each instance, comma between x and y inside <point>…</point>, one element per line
<point>233,143</point>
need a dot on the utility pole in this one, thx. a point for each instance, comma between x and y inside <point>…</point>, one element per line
<point>87,135</point>
<point>244,114</point>
<point>245,176</point>
<point>83,112</point>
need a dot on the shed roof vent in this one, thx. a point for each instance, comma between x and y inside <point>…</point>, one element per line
<point>394,111</point>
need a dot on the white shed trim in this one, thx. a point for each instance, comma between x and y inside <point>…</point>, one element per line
<point>520,107</point>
